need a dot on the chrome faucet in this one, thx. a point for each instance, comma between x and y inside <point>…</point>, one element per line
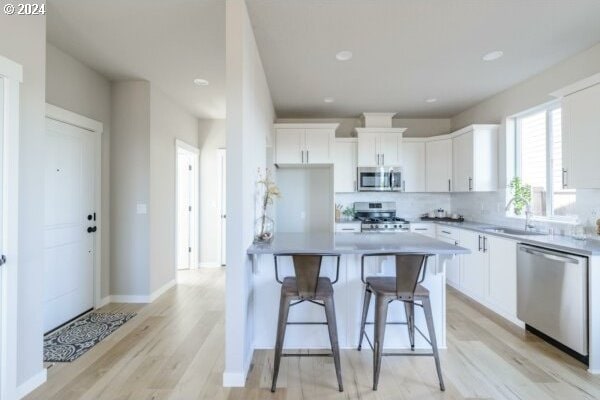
<point>528,214</point>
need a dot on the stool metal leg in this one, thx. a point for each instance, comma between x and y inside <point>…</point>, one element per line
<point>366,303</point>
<point>409,308</point>
<point>381,310</point>
<point>432,339</point>
<point>284,308</point>
<point>333,338</point>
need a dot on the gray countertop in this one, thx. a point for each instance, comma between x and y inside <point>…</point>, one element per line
<point>354,243</point>
<point>589,247</point>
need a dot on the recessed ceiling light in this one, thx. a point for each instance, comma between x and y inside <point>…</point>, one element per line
<point>328,99</point>
<point>344,55</point>
<point>201,82</point>
<point>494,55</point>
<point>431,100</point>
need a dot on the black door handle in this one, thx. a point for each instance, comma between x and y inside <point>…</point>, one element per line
<point>91,229</point>
<point>2,259</point>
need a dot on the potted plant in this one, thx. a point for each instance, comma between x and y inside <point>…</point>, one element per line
<point>521,195</point>
<point>349,213</point>
<point>267,191</point>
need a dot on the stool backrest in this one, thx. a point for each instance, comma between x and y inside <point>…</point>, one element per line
<point>307,270</point>
<point>408,273</point>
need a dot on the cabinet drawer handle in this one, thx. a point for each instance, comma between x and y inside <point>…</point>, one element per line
<point>421,229</point>
<point>447,233</point>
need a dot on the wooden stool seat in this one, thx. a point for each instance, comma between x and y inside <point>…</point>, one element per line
<point>386,286</point>
<point>289,288</point>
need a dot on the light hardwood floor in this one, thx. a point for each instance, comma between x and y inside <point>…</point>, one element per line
<point>174,349</point>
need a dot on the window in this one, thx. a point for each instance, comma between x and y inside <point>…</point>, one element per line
<point>538,161</point>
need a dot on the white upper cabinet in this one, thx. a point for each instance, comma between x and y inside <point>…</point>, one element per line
<point>379,147</point>
<point>581,134</point>
<point>413,165</point>
<point>438,165</point>
<point>344,165</point>
<point>298,144</point>
<point>475,159</point>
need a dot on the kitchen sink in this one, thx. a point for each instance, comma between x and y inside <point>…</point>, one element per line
<point>512,231</point>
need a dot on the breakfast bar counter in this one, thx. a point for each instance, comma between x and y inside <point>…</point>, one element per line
<point>349,288</point>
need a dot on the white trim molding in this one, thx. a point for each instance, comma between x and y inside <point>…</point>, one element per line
<point>31,384</point>
<point>139,298</point>
<point>96,128</point>
<point>12,75</point>
<point>577,86</point>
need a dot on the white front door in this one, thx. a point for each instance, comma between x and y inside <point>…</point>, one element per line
<point>69,223</point>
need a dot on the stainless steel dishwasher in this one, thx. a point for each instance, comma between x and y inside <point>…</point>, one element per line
<point>552,297</point>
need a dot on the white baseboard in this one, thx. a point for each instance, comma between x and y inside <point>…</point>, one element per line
<point>158,292</point>
<point>124,298</point>
<point>234,379</point>
<point>210,265</point>
<point>238,379</point>
<point>103,301</point>
<point>31,384</point>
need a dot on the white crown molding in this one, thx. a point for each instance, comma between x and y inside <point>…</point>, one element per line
<point>577,86</point>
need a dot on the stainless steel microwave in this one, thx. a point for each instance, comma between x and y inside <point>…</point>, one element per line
<point>379,179</point>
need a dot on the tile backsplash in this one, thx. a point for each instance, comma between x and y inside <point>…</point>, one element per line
<point>408,205</point>
<point>487,207</point>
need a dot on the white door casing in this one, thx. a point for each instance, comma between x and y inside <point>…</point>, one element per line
<point>187,182</point>
<point>223,204</point>
<point>11,75</point>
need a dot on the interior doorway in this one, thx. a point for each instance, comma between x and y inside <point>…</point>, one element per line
<point>187,205</point>
<point>222,177</point>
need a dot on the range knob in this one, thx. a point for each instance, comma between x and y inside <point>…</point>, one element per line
<point>385,226</point>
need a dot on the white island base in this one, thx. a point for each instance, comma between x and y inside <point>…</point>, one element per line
<point>349,293</point>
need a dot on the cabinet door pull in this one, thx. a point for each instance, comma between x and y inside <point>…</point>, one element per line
<point>302,152</point>
<point>479,243</point>
<point>420,229</point>
<point>485,248</point>
<point>564,178</point>
<point>307,153</point>
<point>449,186</point>
<point>383,159</point>
<point>470,184</point>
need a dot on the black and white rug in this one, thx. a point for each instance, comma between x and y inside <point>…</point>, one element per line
<point>70,342</point>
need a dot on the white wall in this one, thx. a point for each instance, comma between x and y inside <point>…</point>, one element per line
<point>489,207</point>
<point>306,204</point>
<point>168,122</point>
<point>130,185</point>
<point>250,117</point>
<point>417,127</point>
<point>212,137</point>
<point>23,40</point>
<point>78,88</point>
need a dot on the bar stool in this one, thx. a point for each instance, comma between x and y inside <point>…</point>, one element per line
<point>307,285</point>
<point>406,287</point>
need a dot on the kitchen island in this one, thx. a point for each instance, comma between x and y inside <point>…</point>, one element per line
<point>349,288</point>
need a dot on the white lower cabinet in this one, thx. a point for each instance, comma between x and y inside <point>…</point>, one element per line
<point>452,265</point>
<point>473,267</point>
<point>489,274</point>
<point>502,279</point>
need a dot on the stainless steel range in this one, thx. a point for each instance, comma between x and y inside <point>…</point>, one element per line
<point>380,217</point>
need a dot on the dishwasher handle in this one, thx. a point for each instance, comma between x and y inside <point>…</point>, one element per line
<point>550,255</point>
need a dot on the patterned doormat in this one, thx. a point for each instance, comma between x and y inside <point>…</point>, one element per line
<point>69,343</point>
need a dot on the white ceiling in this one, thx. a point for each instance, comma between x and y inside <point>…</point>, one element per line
<point>167,42</point>
<point>406,51</point>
